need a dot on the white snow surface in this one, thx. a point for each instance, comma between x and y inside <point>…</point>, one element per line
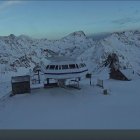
<point>61,108</point>
<point>88,108</point>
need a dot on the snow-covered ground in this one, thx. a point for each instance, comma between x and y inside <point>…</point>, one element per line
<point>5,88</point>
<point>88,108</point>
<point>59,108</point>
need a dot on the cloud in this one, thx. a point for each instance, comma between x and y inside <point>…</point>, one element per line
<point>134,17</point>
<point>136,12</point>
<point>126,20</point>
<point>9,3</point>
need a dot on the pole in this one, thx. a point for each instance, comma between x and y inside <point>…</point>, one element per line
<point>38,77</point>
<point>90,81</point>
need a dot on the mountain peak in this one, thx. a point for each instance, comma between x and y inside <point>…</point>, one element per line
<point>24,36</point>
<point>78,33</point>
<point>12,36</point>
<point>74,35</point>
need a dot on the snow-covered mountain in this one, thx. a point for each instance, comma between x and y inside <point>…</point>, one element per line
<point>23,51</point>
<point>125,44</point>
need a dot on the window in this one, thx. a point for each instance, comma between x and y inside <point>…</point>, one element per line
<point>72,66</point>
<point>56,67</point>
<point>81,65</point>
<point>64,66</point>
<point>59,67</point>
<point>47,67</point>
<point>77,66</point>
<point>52,67</point>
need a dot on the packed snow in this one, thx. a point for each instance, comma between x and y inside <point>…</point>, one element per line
<point>65,108</point>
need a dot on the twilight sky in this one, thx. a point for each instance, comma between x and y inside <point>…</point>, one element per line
<point>56,19</point>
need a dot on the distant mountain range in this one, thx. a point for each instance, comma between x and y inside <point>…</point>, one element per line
<point>24,51</point>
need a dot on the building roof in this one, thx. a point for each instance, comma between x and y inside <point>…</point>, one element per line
<point>60,59</point>
<point>25,78</point>
<point>128,73</point>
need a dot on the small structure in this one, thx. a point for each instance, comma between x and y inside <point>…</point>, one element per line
<point>89,75</point>
<point>117,74</point>
<point>105,92</point>
<point>49,83</point>
<point>20,84</point>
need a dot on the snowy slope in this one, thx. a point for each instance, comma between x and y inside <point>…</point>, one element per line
<point>125,44</point>
<point>23,51</point>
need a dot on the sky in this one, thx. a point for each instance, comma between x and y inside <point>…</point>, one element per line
<point>56,19</point>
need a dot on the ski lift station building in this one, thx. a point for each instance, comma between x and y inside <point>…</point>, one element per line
<point>65,68</point>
